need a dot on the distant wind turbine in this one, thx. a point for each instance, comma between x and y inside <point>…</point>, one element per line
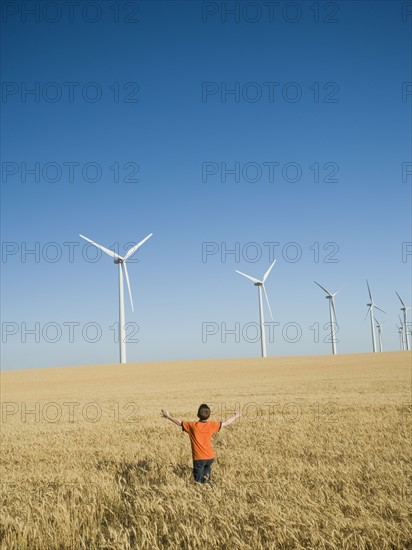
<point>260,285</point>
<point>379,327</point>
<point>372,306</point>
<point>332,314</point>
<point>405,322</point>
<point>121,261</point>
<point>400,332</point>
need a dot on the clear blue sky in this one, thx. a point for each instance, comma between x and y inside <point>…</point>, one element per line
<point>318,128</point>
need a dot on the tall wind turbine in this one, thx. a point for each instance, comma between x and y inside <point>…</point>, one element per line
<point>405,322</point>
<point>121,261</point>
<point>260,285</point>
<point>332,314</point>
<point>372,306</point>
<point>379,327</point>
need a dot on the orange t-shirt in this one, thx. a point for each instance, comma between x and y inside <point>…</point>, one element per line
<point>200,434</point>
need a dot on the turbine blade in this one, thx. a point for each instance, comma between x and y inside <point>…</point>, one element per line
<point>323,288</point>
<point>128,284</point>
<point>248,276</point>
<point>380,309</point>
<point>400,299</point>
<point>267,301</point>
<point>367,313</point>
<point>339,289</point>
<point>136,247</point>
<point>369,290</point>
<point>266,275</point>
<point>109,252</point>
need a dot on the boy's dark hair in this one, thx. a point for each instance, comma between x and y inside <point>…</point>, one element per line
<point>204,412</point>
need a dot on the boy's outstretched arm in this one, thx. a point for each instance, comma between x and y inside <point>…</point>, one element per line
<point>166,414</point>
<point>237,415</point>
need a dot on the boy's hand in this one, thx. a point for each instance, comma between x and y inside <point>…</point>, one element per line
<point>233,418</point>
<point>166,414</point>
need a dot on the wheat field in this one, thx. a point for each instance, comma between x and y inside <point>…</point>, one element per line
<point>320,459</point>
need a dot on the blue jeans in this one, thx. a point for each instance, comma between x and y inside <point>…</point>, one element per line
<point>202,469</point>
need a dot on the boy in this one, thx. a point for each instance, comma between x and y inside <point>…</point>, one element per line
<point>200,434</point>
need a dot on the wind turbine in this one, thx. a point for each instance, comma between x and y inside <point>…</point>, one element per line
<point>405,322</point>
<point>121,261</point>
<point>400,332</point>
<point>332,314</point>
<point>379,327</point>
<point>371,306</point>
<point>260,285</point>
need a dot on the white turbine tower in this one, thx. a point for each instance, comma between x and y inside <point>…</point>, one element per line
<point>121,261</point>
<point>379,327</point>
<point>371,306</point>
<point>260,285</point>
<point>405,322</point>
<point>332,314</point>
